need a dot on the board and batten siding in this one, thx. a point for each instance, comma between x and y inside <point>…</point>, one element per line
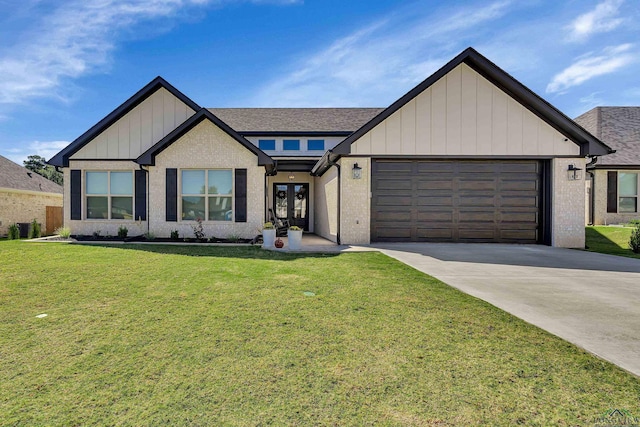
<point>139,129</point>
<point>464,114</point>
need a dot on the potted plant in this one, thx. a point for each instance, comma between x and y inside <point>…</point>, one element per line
<point>295,237</point>
<point>268,235</point>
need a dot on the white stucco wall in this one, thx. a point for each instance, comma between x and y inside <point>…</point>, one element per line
<point>567,205</point>
<point>326,205</point>
<point>206,147</point>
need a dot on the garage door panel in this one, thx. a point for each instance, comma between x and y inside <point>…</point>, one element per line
<point>463,200</point>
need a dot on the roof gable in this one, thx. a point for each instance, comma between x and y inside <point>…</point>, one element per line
<point>148,157</point>
<point>62,158</point>
<point>589,145</point>
<point>16,177</point>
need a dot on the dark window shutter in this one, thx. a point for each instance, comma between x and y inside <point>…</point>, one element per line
<point>172,195</point>
<point>241,195</point>
<point>612,192</point>
<point>141,195</point>
<point>76,194</point>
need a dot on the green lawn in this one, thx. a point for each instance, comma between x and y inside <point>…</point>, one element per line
<point>151,335</point>
<point>610,240</point>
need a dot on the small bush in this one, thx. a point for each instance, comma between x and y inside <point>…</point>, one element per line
<point>295,228</point>
<point>34,230</point>
<point>14,232</point>
<point>122,232</point>
<point>175,235</point>
<point>149,236</point>
<point>634,240</point>
<point>634,222</point>
<point>268,226</point>
<point>198,230</point>
<point>64,232</point>
<point>96,234</point>
<point>234,238</point>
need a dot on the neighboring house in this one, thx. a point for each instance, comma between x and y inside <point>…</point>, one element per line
<point>25,196</point>
<point>614,180</point>
<point>468,155</point>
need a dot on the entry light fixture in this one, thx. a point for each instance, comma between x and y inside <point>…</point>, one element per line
<point>574,173</point>
<point>356,172</point>
<point>291,177</point>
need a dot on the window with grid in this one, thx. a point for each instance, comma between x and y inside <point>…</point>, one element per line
<point>207,194</point>
<point>627,192</point>
<point>109,194</point>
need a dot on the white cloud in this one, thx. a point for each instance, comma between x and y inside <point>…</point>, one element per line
<point>602,19</point>
<point>46,149</point>
<point>76,38</point>
<point>590,65</point>
<point>378,61</point>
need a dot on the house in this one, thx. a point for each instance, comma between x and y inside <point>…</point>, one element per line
<point>612,184</point>
<point>25,196</point>
<point>468,155</point>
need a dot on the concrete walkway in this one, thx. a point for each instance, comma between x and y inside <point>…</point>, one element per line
<point>589,299</point>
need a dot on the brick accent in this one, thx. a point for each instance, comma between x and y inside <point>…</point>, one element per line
<point>25,206</point>
<point>567,205</point>
<point>355,203</point>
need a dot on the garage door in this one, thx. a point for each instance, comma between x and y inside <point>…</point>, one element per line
<point>455,201</point>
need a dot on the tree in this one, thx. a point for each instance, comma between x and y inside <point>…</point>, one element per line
<point>38,165</point>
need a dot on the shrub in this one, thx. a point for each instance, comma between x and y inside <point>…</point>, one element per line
<point>64,232</point>
<point>96,234</point>
<point>634,240</point>
<point>234,238</point>
<point>634,222</point>
<point>198,230</point>
<point>34,230</point>
<point>122,232</point>
<point>295,228</point>
<point>149,236</point>
<point>175,235</point>
<point>268,226</point>
<point>14,232</point>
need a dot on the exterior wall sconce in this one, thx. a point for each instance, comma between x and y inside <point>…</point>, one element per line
<point>574,173</point>
<point>291,177</point>
<point>356,172</point>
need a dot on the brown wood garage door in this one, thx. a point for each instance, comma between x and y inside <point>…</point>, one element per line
<point>455,201</point>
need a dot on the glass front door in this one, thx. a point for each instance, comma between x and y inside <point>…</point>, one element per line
<point>291,202</point>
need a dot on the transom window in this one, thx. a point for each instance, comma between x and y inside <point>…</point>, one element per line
<point>109,195</point>
<point>267,144</point>
<point>315,144</point>
<point>291,144</point>
<point>207,194</point>
<point>627,192</point>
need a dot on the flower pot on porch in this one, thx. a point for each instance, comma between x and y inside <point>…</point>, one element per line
<point>268,237</point>
<point>295,239</point>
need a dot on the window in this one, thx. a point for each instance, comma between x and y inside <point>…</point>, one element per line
<point>267,144</point>
<point>315,144</point>
<point>291,144</point>
<point>627,192</point>
<point>109,195</point>
<point>207,194</point>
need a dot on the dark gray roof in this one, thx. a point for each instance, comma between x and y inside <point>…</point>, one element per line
<point>16,177</point>
<point>619,128</point>
<point>295,119</point>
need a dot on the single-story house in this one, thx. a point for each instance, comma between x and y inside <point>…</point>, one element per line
<point>25,196</point>
<point>468,155</point>
<point>613,181</point>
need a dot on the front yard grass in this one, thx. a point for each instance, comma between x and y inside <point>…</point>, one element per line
<point>151,335</point>
<point>609,240</point>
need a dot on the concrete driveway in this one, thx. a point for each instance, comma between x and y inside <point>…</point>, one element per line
<point>589,299</point>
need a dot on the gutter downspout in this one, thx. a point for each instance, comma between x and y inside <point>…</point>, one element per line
<point>333,163</point>
<point>592,198</point>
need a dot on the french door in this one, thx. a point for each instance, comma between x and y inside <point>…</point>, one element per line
<point>291,202</point>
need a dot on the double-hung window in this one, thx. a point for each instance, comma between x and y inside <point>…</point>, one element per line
<point>207,194</point>
<point>627,192</point>
<point>109,195</point>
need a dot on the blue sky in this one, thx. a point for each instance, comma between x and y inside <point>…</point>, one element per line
<point>64,65</point>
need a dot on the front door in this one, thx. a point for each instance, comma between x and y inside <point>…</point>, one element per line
<point>291,202</point>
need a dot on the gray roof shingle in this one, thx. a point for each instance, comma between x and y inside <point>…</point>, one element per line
<point>295,119</point>
<point>619,128</point>
<point>16,177</point>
